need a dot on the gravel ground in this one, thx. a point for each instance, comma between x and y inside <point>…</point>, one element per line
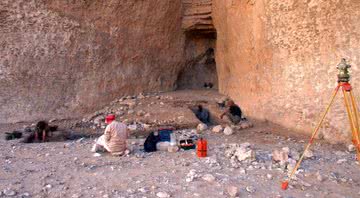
<point>68,169</point>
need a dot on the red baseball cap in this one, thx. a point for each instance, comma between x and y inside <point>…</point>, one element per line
<point>109,118</point>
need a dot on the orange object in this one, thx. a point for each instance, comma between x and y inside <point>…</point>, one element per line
<point>284,185</point>
<point>201,148</point>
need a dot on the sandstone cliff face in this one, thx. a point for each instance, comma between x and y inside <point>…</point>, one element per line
<point>200,65</point>
<point>278,58</point>
<point>197,16</point>
<point>64,58</point>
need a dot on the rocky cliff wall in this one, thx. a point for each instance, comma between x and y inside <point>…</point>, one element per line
<point>278,58</point>
<point>63,58</point>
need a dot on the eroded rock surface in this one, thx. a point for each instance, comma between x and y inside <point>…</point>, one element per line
<point>283,55</point>
<point>65,58</point>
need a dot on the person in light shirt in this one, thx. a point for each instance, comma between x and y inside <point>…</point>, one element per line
<point>114,138</point>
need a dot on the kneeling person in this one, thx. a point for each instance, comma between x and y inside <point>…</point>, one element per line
<point>114,138</point>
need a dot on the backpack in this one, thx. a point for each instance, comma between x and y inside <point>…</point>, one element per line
<point>150,142</point>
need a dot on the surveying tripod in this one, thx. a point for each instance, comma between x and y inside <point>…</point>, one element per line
<point>352,111</point>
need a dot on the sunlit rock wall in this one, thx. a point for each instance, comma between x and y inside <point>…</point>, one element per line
<point>61,58</point>
<point>278,59</point>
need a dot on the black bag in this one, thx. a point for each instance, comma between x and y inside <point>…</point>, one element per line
<point>150,142</point>
<point>13,135</point>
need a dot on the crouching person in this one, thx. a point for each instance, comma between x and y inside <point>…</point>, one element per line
<point>114,138</point>
<point>232,114</point>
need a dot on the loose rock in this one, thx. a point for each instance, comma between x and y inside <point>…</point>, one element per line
<point>191,176</point>
<point>232,191</point>
<point>243,154</point>
<point>201,127</point>
<point>162,195</point>
<point>217,129</point>
<point>281,156</point>
<point>319,177</point>
<point>269,176</point>
<point>351,148</point>
<point>250,189</point>
<point>9,192</point>
<point>240,152</point>
<point>308,154</point>
<point>340,161</point>
<point>208,178</point>
<point>228,131</point>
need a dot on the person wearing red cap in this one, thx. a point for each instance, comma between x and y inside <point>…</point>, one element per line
<point>114,138</point>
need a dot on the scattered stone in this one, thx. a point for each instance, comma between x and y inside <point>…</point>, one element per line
<point>240,152</point>
<point>201,127</point>
<point>243,154</point>
<point>340,161</point>
<point>245,145</point>
<point>75,196</point>
<point>208,178</point>
<point>162,195</point>
<point>319,177</point>
<point>132,127</point>
<point>281,156</point>
<point>217,129</point>
<point>242,171</point>
<point>308,154</point>
<point>269,176</point>
<point>244,125</point>
<point>24,195</point>
<point>141,96</point>
<point>140,113</point>
<point>48,186</point>
<point>80,140</point>
<point>118,154</point>
<point>228,131</point>
<point>351,148</point>
<point>291,165</point>
<point>250,189</point>
<point>295,155</point>
<point>9,192</point>
<point>173,148</point>
<point>232,191</point>
<point>142,190</point>
<point>99,119</point>
<point>191,176</point>
<point>97,155</point>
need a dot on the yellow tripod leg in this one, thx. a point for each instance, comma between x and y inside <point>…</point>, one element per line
<point>356,111</point>
<point>357,129</point>
<point>350,114</point>
<point>285,184</point>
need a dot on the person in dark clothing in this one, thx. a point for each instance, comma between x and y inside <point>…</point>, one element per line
<point>202,114</point>
<point>151,141</point>
<point>232,112</point>
<point>42,133</point>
